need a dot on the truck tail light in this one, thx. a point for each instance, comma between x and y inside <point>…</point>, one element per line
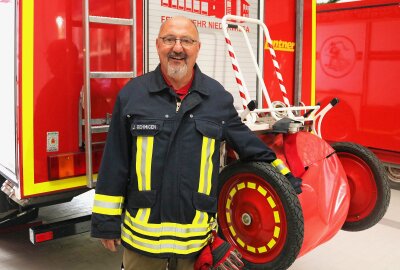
<point>42,237</point>
<point>71,164</point>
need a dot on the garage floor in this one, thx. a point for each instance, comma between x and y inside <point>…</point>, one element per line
<point>377,248</point>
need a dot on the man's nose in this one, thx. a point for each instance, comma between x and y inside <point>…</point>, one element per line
<point>178,46</point>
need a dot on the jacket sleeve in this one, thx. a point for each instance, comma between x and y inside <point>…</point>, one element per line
<point>112,178</point>
<point>248,146</point>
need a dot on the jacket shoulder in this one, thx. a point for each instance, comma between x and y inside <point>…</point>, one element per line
<point>141,82</point>
<point>215,88</point>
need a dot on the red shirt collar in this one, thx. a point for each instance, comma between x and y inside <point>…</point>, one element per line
<point>182,92</point>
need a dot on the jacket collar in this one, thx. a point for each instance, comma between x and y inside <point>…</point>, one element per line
<point>159,84</point>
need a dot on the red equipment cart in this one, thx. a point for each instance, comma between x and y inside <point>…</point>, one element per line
<point>344,185</point>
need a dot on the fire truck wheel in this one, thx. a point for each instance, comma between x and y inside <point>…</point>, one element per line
<point>393,174</point>
<point>260,215</point>
<point>369,186</point>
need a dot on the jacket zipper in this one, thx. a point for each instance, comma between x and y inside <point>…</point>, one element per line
<point>179,102</point>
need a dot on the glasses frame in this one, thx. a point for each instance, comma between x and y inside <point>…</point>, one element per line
<point>183,44</point>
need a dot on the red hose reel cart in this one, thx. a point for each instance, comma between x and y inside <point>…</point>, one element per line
<point>344,184</point>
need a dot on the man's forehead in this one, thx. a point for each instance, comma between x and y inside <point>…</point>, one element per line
<point>181,24</point>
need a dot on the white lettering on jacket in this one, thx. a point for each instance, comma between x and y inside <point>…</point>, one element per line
<point>145,127</point>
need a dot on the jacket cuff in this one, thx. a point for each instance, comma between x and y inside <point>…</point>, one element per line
<point>107,227</point>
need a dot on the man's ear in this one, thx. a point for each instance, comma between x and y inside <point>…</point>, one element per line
<point>157,43</point>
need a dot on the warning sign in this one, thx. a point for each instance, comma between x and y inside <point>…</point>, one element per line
<point>52,141</point>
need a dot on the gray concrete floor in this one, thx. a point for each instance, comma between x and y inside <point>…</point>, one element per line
<point>79,252</point>
<point>376,248</point>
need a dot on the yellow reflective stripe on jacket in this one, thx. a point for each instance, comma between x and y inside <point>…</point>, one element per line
<point>145,236</point>
<point>144,155</point>
<point>206,168</point>
<point>206,165</point>
<point>166,228</point>
<point>108,205</point>
<point>163,245</point>
<point>277,163</point>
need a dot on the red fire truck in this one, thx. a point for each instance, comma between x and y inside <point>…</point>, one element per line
<point>63,63</point>
<point>357,61</point>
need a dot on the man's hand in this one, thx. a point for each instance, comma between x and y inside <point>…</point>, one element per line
<point>281,167</point>
<point>296,182</point>
<point>111,244</point>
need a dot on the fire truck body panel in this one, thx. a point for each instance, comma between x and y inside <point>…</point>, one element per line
<point>51,81</point>
<point>358,61</point>
<point>44,147</point>
<point>282,27</point>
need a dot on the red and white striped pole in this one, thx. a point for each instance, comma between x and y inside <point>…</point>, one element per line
<point>277,69</point>
<point>243,91</point>
<point>258,71</point>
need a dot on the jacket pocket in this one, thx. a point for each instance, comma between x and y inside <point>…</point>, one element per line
<point>146,127</point>
<point>142,199</point>
<point>209,129</point>
<point>205,203</point>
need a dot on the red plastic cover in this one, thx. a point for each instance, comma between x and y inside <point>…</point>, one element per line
<point>326,195</point>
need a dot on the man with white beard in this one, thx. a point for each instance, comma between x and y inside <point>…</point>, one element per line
<point>161,160</point>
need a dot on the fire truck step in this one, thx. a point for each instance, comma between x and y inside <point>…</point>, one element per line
<point>51,231</point>
<point>110,20</point>
<point>111,74</point>
<point>100,129</point>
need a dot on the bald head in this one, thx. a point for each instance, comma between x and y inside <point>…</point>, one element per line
<point>179,20</point>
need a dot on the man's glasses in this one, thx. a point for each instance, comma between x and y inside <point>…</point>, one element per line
<point>171,40</point>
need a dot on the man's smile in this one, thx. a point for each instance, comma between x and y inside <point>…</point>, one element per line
<point>177,57</point>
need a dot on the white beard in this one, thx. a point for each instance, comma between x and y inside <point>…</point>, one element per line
<point>177,72</point>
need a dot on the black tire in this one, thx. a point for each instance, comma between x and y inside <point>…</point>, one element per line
<point>376,201</point>
<point>258,177</point>
<point>393,174</point>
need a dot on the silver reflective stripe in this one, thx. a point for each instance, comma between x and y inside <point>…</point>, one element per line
<point>202,218</point>
<point>164,229</point>
<point>206,168</point>
<point>108,205</point>
<point>278,163</point>
<point>280,167</point>
<point>163,246</point>
<point>208,165</point>
<point>144,213</point>
<point>144,148</point>
<point>141,158</point>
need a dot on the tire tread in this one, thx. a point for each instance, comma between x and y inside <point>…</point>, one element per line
<point>381,180</point>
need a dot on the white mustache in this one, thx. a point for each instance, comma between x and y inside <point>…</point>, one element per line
<point>177,55</point>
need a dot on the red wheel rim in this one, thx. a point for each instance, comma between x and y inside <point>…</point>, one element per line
<point>363,188</point>
<point>252,217</point>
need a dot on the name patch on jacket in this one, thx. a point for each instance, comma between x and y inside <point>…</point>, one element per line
<point>145,127</point>
<point>138,129</point>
